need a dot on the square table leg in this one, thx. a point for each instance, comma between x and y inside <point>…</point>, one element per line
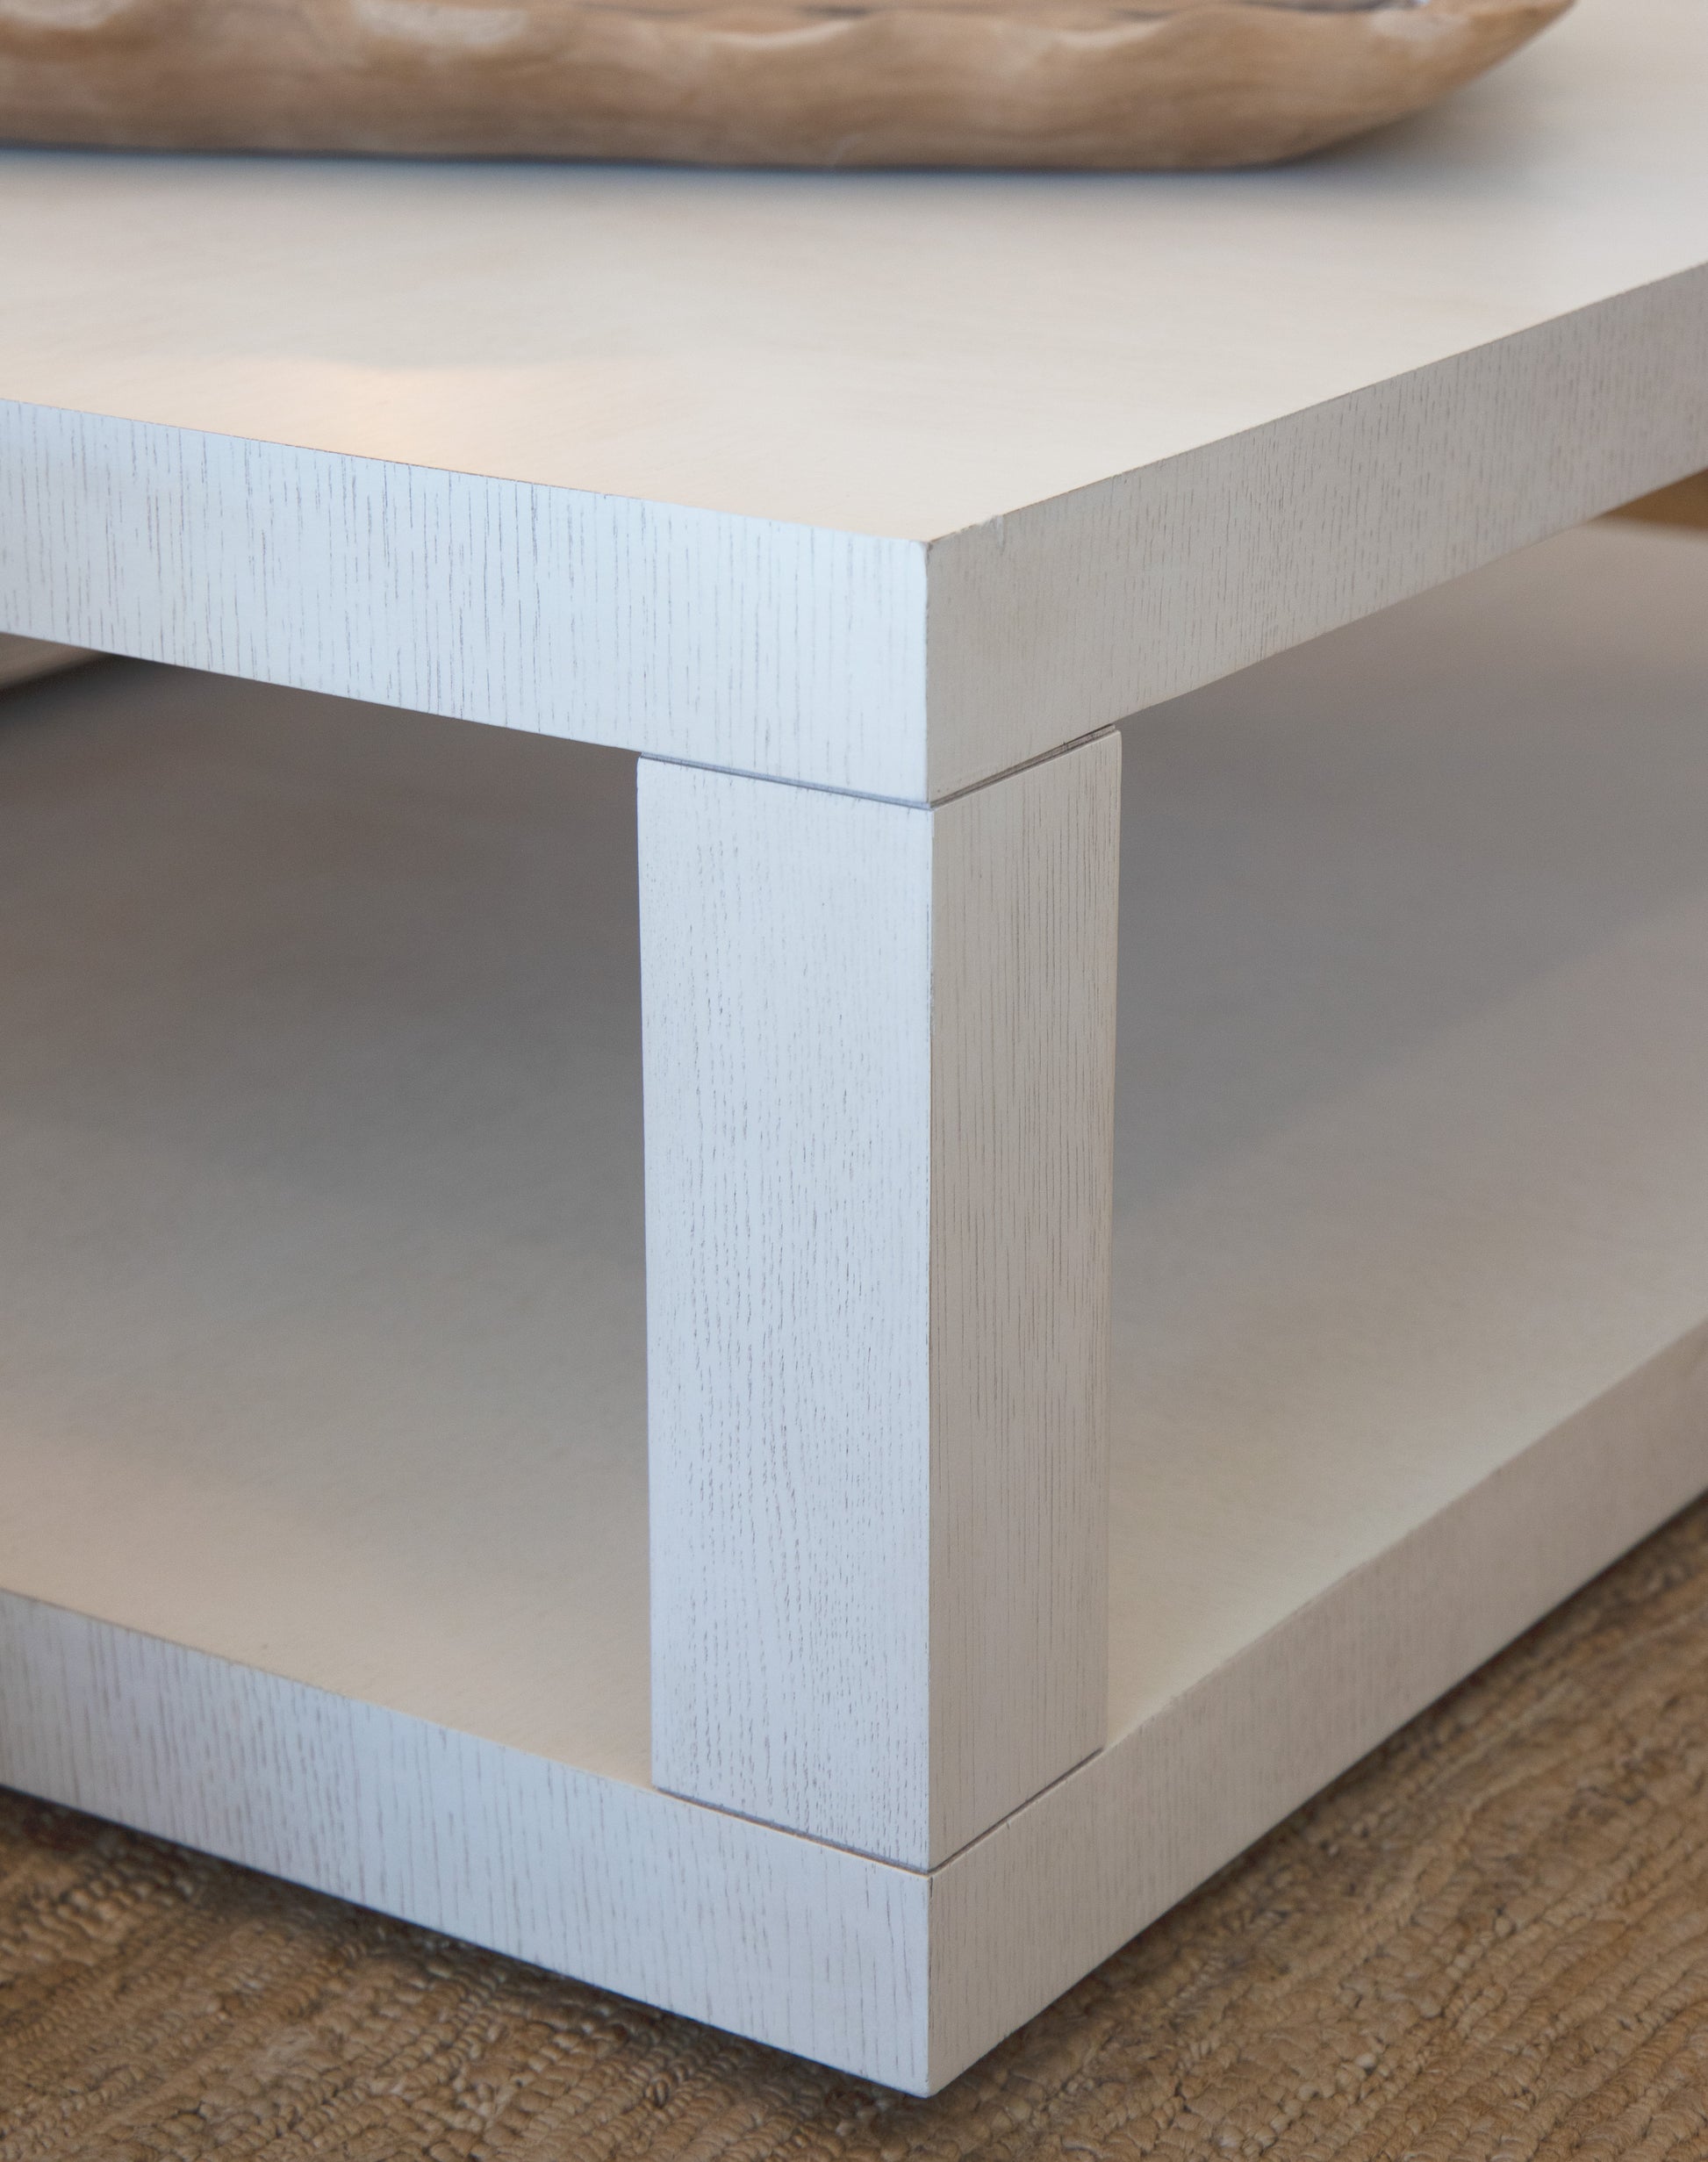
<point>879,1068</point>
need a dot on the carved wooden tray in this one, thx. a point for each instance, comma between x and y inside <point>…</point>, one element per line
<point>1026,82</point>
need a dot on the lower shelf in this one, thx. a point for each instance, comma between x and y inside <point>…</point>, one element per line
<point>321,1356</point>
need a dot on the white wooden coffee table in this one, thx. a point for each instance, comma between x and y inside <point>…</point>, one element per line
<point>860,508</point>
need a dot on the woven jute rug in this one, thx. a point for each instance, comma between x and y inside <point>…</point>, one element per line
<point>1489,1940</point>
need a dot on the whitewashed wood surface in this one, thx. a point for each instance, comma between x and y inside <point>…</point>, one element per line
<point>879,1086</point>
<point>816,1951</point>
<point>1409,1263</point>
<point>744,643</point>
<point>882,482</point>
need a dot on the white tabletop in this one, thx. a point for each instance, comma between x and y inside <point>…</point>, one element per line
<point>913,355</point>
<point>887,354</point>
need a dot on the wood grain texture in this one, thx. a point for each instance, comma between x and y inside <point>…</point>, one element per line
<point>880,1074</point>
<point>1410,1273</point>
<point>817,1950</point>
<point>786,970</point>
<point>1094,475</point>
<point>906,1978</point>
<point>746,644</point>
<point>1489,1941</point>
<point>1204,1778</point>
<point>1167,83</point>
<point>1025,883</point>
<point>1445,856</point>
<point>906,356</point>
<point>1108,601</point>
<point>836,659</point>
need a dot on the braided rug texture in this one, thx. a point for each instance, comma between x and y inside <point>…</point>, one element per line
<point>1490,1939</point>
